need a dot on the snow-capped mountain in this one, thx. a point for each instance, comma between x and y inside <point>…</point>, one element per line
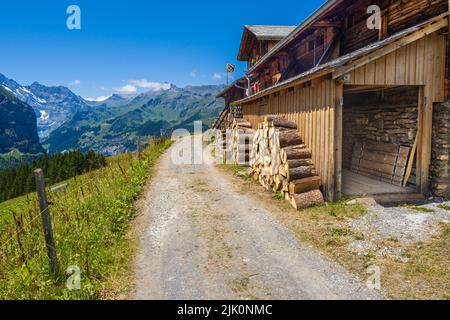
<point>53,105</point>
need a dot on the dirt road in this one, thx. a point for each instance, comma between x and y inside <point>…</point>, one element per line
<point>203,239</point>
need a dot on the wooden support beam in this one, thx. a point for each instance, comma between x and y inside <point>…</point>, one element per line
<point>338,138</point>
<point>352,89</point>
<point>427,128</point>
<point>327,24</point>
<point>420,141</point>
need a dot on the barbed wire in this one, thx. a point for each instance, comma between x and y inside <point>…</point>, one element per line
<point>29,223</point>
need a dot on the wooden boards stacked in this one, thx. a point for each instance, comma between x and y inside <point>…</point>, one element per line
<point>241,141</point>
<point>282,163</point>
<point>382,161</point>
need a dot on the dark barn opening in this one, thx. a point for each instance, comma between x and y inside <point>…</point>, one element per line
<point>379,140</point>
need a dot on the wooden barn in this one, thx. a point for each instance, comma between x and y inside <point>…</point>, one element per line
<point>256,42</point>
<point>372,104</point>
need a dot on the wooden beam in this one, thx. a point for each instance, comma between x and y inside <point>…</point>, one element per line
<point>420,141</point>
<point>327,24</point>
<point>287,84</point>
<point>411,161</point>
<point>352,89</point>
<point>427,129</point>
<point>338,137</point>
<point>427,30</point>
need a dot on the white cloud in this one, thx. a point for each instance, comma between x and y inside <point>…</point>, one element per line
<point>75,83</point>
<point>217,76</point>
<point>98,99</point>
<point>127,89</point>
<point>193,73</point>
<point>133,85</point>
<point>155,86</point>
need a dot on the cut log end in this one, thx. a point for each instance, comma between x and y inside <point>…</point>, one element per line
<point>307,199</point>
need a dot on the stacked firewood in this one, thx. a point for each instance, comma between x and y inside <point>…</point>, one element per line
<point>221,145</point>
<point>241,141</point>
<point>281,162</point>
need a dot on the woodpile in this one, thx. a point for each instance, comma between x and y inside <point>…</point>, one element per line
<point>280,161</point>
<point>221,145</point>
<point>241,143</point>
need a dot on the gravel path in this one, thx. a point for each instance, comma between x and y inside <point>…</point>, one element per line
<point>201,239</point>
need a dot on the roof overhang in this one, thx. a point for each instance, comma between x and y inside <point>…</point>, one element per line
<point>239,82</point>
<point>328,5</point>
<point>360,57</point>
<point>261,33</point>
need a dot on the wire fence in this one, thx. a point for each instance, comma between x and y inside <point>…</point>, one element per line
<point>21,233</point>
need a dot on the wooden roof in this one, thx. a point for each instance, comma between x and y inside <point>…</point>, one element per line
<point>239,82</point>
<point>270,32</point>
<point>358,58</point>
<point>261,33</point>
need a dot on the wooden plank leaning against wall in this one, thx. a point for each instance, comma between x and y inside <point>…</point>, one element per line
<point>420,63</point>
<point>312,106</point>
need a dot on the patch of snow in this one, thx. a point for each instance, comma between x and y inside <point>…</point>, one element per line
<point>8,89</point>
<point>25,90</point>
<point>99,99</point>
<point>44,115</point>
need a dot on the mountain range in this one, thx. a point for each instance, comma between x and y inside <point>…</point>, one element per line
<point>115,125</point>
<point>66,121</point>
<point>53,105</point>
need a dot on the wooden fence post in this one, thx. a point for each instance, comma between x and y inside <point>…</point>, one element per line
<point>139,148</point>
<point>46,221</point>
<point>125,166</point>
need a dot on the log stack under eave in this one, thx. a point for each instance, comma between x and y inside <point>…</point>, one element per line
<point>221,145</point>
<point>241,141</point>
<point>280,161</point>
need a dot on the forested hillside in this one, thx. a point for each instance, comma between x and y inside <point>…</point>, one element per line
<point>58,167</point>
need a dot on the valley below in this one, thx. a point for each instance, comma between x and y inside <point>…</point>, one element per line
<point>66,121</point>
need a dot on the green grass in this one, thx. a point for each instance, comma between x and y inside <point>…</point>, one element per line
<point>444,207</point>
<point>419,209</point>
<point>91,224</point>
<point>278,196</point>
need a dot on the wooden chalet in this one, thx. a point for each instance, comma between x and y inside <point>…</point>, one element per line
<point>372,104</point>
<point>255,43</point>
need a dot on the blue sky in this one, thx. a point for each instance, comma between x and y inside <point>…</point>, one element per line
<point>131,44</point>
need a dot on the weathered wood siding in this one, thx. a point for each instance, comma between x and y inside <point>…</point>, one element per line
<point>312,107</point>
<point>316,106</point>
<point>397,14</point>
<point>419,63</point>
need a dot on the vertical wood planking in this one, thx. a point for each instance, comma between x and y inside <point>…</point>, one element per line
<point>380,70</point>
<point>400,66</point>
<point>390,69</point>
<point>411,53</point>
<point>420,62</point>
